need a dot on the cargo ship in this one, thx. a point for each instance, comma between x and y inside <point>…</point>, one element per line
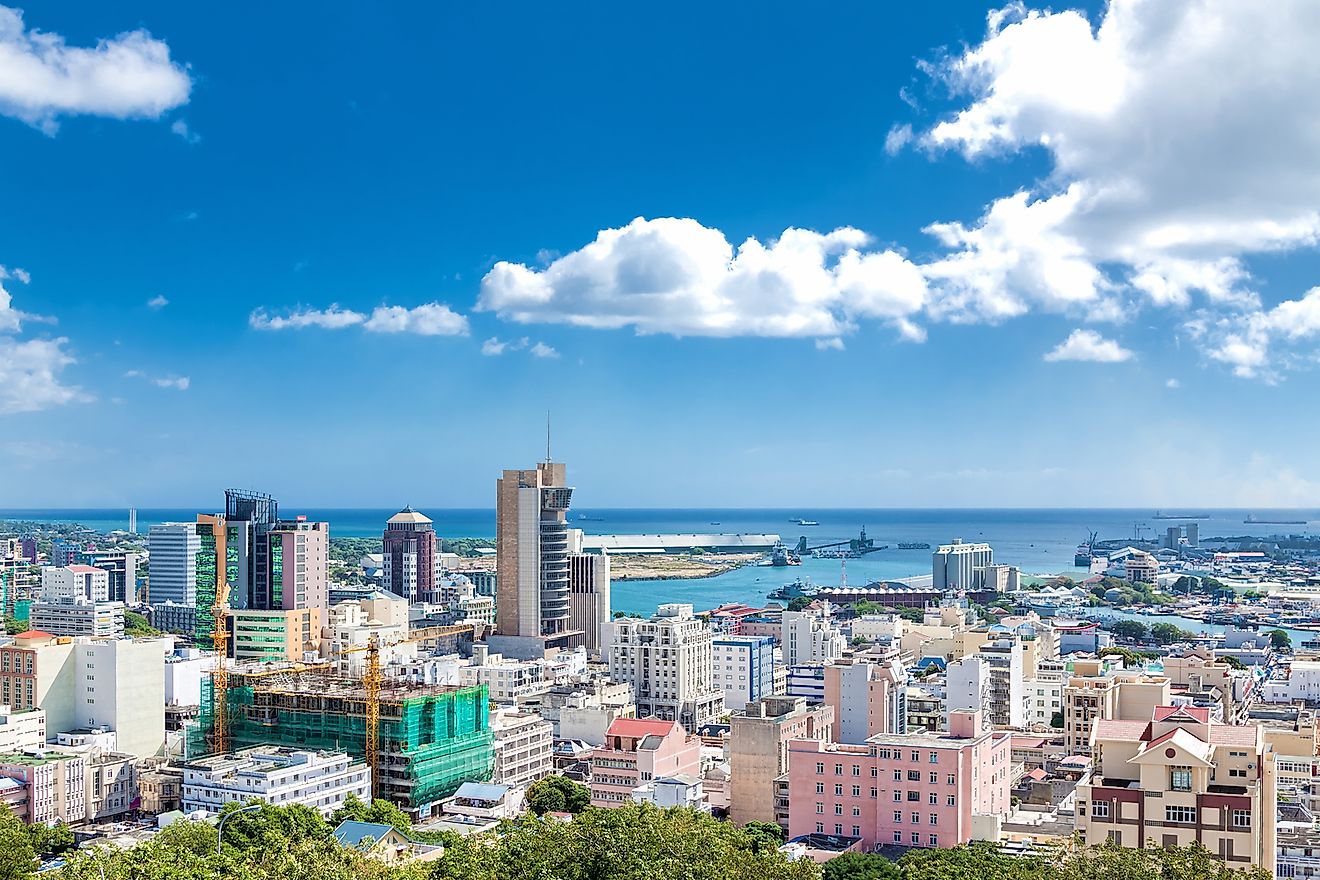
<point>1085,550</point>
<point>1159,514</point>
<point>1251,520</point>
<point>913,545</point>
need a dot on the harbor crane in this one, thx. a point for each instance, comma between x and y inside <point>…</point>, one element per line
<point>858,545</point>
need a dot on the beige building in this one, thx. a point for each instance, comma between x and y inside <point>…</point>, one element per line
<point>758,754</point>
<point>532,592</point>
<point>589,596</point>
<point>1178,778</point>
<point>1091,695</point>
<point>524,742</point>
<point>668,661</point>
<point>1198,673</point>
<point>161,787</point>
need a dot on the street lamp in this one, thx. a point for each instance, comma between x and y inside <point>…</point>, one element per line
<point>220,829</point>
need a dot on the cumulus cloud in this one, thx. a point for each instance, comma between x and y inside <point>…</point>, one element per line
<point>542,350</point>
<point>1151,195</point>
<point>1172,384</point>
<point>30,369</point>
<point>431,319</point>
<point>157,302</point>
<point>30,375</point>
<point>676,276</point>
<point>42,78</point>
<point>899,137</point>
<point>1088,345</point>
<point>834,343</point>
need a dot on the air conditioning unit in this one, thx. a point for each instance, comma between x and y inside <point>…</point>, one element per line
<point>1251,766</point>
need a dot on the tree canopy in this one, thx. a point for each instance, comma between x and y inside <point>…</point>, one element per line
<point>557,794</point>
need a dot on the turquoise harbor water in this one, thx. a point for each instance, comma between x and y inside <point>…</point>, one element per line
<point>1039,541</point>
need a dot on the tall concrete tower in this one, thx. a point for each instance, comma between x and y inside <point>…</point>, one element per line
<point>532,548</point>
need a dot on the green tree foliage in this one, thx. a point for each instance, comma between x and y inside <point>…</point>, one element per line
<point>631,842</point>
<point>797,603</point>
<point>1279,640</point>
<point>860,866</point>
<point>764,834</point>
<point>18,860</point>
<point>378,811</point>
<point>1056,720</point>
<point>49,842</point>
<point>1131,659</point>
<point>557,794</point>
<point>1167,633</point>
<point>136,626</point>
<point>1130,629</point>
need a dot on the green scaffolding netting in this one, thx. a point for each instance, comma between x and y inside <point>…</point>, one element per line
<point>429,743</point>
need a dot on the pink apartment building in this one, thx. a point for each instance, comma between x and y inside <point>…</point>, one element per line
<point>907,789</point>
<point>637,750</point>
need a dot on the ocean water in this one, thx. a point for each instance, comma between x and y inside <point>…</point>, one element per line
<point>1039,541</point>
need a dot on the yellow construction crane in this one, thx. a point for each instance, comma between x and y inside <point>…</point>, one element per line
<point>219,632</point>
<point>371,681</point>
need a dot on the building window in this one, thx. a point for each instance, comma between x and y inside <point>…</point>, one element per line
<point>1100,809</point>
<point>934,757</point>
<point>838,809</point>
<point>951,801</point>
<point>933,840</point>
<point>838,769</point>
<point>914,775</point>
<point>898,775</point>
<point>875,792</point>
<point>856,791</point>
<point>934,818</point>
<point>916,818</point>
<point>838,791</point>
<point>898,837</point>
<point>898,796</point>
<point>934,778</point>
<point>1180,814</point>
<point>820,808</point>
<point>898,816</point>
<point>916,757</point>
<point>820,788</point>
<point>914,796</point>
<point>950,780</point>
<point>857,831</point>
<point>856,810</point>
<point>820,768</point>
<point>916,839</point>
<point>1180,778</point>
<point>838,829</point>
<point>1242,818</point>
<point>857,770</point>
<point>820,829</point>
<point>875,772</point>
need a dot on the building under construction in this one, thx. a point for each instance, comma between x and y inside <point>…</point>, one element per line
<point>431,738</point>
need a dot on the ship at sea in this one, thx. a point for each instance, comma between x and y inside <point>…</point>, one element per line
<point>1085,551</point>
<point>1159,514</point>
<point>804,522</point>
<point>913,545</point>
<point>1252,520</point>
<point>781,556</point>
<point>798,589</point>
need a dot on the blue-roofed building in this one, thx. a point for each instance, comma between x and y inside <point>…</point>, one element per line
<point>384,842</point>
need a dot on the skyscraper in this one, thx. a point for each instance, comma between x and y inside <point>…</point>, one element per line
<point>532,593</point>
<point>172,563</point>
<point>411,556</point>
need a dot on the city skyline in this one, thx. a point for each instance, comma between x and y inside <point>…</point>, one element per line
<point>879,258</point>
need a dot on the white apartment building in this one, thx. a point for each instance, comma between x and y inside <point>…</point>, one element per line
<point>72,583</point>
<point>524,745</point>
<point>114,683</point>
<point>960,566</point>
<point>1008,697</point>
<point>56,784</point>
<point>811,638</point>
<point>21,731</point>
<point>74,617</point>
<point>507,680</point>
<point>967,687</point>
<point>278,776</point>
<point>1044,692</point>
<point>172,563</point>
<point>668,662</point>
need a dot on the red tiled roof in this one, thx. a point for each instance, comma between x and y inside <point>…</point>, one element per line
<point>1037,774</point>
<point>1233,734</point>
<point>1199,713</point>
<point>1106,728</point>
<point>84,569</point>
<point>34,634</point>
<point>640,727</point>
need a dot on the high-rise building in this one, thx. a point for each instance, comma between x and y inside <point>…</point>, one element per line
<point>589,596</point>
<point>73,583</point>
<point>868,696</point>
<point>412,556</point>
<point>743,668</point>
<point>296,573</point>
<point>532,547</point>
<point>122,566</point>
<point>668,662</point>
<point>172,564</point>
<point>960,566</point>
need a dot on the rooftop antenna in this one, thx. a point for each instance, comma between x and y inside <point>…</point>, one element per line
<point>547,437</point>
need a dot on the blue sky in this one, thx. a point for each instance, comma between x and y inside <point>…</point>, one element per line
<point>352,256</point>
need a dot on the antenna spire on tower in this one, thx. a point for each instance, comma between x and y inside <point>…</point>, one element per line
<point>547,437</point>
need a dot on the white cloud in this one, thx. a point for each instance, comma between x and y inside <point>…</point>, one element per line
<point>180,127</point>
<point>1172,383</point>
<point>30,375</point>
<point>1088,345</point>
<point>899,137</point>
<point>126,77</point>
<point>542,350</point>
<point>432,319</point>
<point>1153,196</point>
<point>178,383</point>
<point>493,347</point>
<point>157,302</point>
<point>333,318</point>
<point>676,276</point>
<point>834,343</point>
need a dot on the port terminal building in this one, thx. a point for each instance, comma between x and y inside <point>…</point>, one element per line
<point>715,543</point>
